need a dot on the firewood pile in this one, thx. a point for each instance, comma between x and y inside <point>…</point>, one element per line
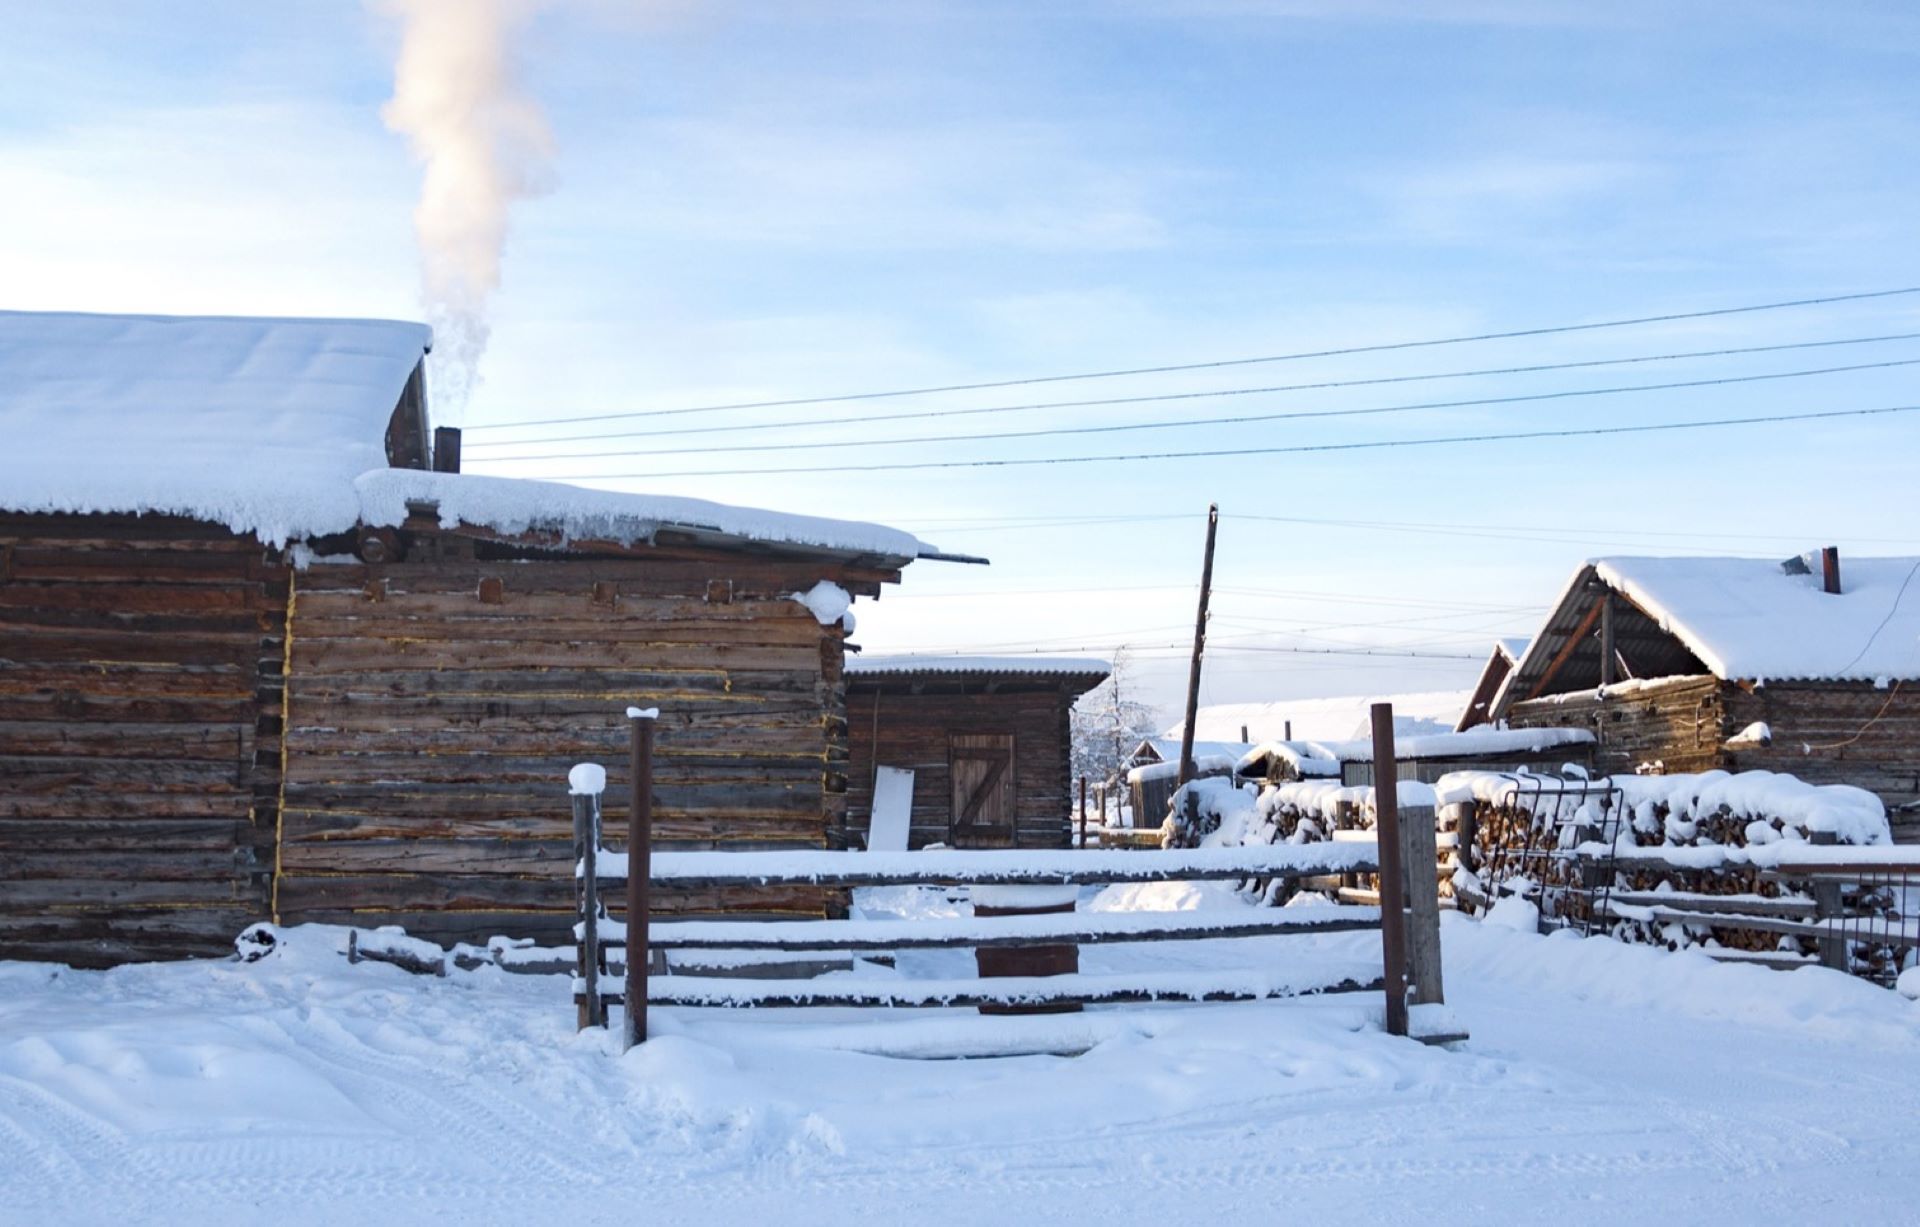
<point>1623,858</point>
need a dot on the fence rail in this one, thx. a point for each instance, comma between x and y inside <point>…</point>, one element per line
<point>603,876</point>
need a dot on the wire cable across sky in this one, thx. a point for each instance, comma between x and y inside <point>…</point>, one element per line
<point>1221,364</point>
<point>1165,397</point>
<point>1291,449</point>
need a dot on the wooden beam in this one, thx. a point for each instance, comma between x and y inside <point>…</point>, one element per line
<point>1566,650</point>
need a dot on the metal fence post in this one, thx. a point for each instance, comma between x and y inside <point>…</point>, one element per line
<point>1421,855</point>
<point>639,876</point>
<point>586,846</point>
<point>1827,908</point>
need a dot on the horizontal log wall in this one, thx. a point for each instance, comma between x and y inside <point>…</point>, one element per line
<point>913,732</point>
<point>140,702</point>
<point>1823,732</point>
<point>436,707</point>
<point>1678,723</point>
<point>1838,733</point>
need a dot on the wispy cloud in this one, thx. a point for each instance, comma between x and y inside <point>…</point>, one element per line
<point>932,186</point>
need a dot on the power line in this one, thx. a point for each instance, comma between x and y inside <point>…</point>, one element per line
<point>1294,449</point>
<point>1323,385</point>
<point>1341,351</point>
<point>1157,647</point>
<point>957,524</point>
<point>1244,419</point>
<point>1468,529</point>
<point>1550,534</point>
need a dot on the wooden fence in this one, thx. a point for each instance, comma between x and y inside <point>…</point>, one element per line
<point>618,960</point>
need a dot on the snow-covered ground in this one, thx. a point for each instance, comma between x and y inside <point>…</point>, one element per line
<point>1603,1083</point>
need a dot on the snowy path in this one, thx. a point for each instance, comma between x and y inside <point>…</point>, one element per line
<point>1676,1090</point>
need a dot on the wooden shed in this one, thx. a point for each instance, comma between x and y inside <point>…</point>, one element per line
<point>1809,667</point>
<point>988,740</point>
<point>256,661</point>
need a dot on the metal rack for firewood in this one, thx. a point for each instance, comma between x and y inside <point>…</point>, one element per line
<point>1859,908</point>
<point>616,963</point>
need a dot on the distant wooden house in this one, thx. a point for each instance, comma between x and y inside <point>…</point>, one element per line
<point>1167,750</point>
<point>257,661</point>
<point>1690,664</point>
<point>988,740</point>
<point>1493,675</point>
<point>1153,773</point>
<point>1424,757</point>
<point>1334,718</point>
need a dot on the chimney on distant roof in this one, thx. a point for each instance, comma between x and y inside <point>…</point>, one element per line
<point>1288,735</point>
<point>1243,734</point>
<point>446,449</point>
<point>1830,570</point>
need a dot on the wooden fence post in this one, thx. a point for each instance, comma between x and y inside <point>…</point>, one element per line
<point>639,876</point>
<point>586,849</point>
<point>1393,916</point>
<point>1083,811</point>
<point>1420,853</point>
<point>1826,902</point>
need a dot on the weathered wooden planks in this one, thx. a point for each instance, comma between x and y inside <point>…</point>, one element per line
<point>435,708</point>
<point>1823,732</point>
<point>898,728</point>
<point>139,742</point>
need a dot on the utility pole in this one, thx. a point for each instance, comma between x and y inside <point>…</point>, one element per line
<point>1199,647</point>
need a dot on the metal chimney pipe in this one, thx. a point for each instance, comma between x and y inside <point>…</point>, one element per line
<point>446,449</point>
<point>1830,569</point>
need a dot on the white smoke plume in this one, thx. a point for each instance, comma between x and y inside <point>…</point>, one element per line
<point>483,143</point>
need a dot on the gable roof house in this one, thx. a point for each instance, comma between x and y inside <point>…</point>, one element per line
<point>1506,654</point>
<point>1689,664</point>
<point>258,660</point>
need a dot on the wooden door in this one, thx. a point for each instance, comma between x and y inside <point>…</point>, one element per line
<point>981,768</point>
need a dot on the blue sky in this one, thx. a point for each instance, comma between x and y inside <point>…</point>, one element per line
<point>753,202</point>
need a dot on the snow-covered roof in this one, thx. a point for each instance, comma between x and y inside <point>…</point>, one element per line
<point>1745,619</point>
<point>515,505</point>
<point>1513,647</point>
<point>257,424</point>
<point>1052,666</point>
<point>277,428</point>
<point>1167,749</point>
<point>1203,764</point>
<point>1332,719</point>
<point>1321,758</point>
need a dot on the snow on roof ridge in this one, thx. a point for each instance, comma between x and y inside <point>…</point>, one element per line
<point>276,427</point>
<point>259,424</point>
<point>1747,619</point>
<point>978,664</point>
<point>159,317</point>
<point>517,504</point>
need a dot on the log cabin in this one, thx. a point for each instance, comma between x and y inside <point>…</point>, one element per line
<point>259,660</point>
<point>1693,664</point>
<point>987,738</point>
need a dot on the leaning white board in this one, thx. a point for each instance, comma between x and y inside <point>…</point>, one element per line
<point>892,810</point>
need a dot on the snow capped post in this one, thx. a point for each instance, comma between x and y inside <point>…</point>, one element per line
<point>1386,829</point>
<point>586,782</point>
<point>639,874</point>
